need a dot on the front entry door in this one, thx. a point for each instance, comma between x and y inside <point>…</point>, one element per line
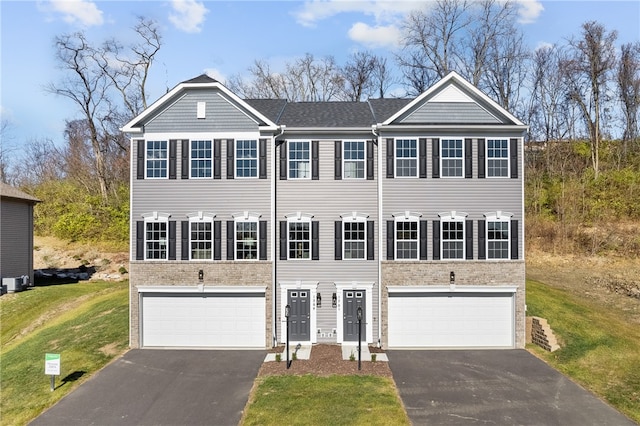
<point>299,314</point>
<point>352,300</point>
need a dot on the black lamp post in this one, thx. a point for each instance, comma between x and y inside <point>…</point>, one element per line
<point>359,314</point>
<point>287,309</point>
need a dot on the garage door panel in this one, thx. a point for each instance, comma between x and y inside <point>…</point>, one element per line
<point>203,320</point>
<point>451,320</point>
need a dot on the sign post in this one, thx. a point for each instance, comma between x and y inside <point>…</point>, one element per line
<point>52,368</point>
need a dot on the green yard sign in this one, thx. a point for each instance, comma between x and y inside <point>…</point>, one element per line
<point>52,367</point>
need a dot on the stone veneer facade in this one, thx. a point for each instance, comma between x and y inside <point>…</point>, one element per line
<point>176,273</point>
<point>468,272</point>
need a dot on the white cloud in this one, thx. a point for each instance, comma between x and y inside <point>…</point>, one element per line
<point>529,11</point>
<point>215,74</point>
<point>377,36</point>
<point>189,15</point>
<point>384,11</point>
<point>83,12</point>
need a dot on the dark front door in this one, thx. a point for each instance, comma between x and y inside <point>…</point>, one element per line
<point>352,299</point>
<point>299,324</point>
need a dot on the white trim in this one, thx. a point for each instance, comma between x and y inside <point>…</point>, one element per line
<point>308,162</point>
<point>190,166</point>
<point>486,157</point>
<point>201,217</point>
<point>462,158</point>
<point>313,320</point>
<point>351,218</point>
<point>245,217</point>
<point>363,161</point>
<point>354,285</point>
<point>405,217</point>
<point>497,216</point>
<point>200,288</point>
<point>236,158</point>
<point>300,217</point>
<point>395,157</point>
<point>167,160</point>
<point>452,289</point>
<point>201,109</point>
<point>453,216</point>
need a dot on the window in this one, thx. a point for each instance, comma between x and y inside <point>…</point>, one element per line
<point>299,160</point>
<point>452,158</point>
<point>354,159</point>
<point>354,240</point>
<point>246,240</point>
<point>299,239</point>
<point>406,157</point>
<point>246,158</point>
<point>201,159</point>
<point>452,239</point>
<point>406,239</point>
<point>156,239</point>
<point>498,235</point>
<point>201,238</point>
<point>157,159</point>
<point>497,157</point>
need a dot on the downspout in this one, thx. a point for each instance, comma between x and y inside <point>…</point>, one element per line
<point>374,129</point>
<point>274,204</point>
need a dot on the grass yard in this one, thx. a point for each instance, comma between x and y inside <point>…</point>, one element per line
<point>86,323</point>
<point>600,350</point>
<point>334,400</point>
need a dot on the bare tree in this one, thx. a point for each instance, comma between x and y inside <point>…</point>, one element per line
<point>4,150</point>
<point>358,74</point>
<point>628,82</point>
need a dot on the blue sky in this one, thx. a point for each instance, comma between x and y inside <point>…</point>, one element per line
<point>223,38</point>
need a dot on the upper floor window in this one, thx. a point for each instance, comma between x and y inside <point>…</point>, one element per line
<point>497,157</point>
<point>354,239</point>
<point>299,238</point>
<point>406,157</point>
<point>406,238</point>
<point>299,160</point>
<point>354,160</point>
<point>201,159</point>
<point>156,236</point>
<point>452,158</point>
<point>246,240</point>
<point>246,158</point>
<point>201,237</point>
<point>452,236</point>
<point>157,159</point>
<point>498,235</point>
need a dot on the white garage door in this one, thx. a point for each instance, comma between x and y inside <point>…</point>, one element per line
<point>217,320</point>
<point>451,320</point>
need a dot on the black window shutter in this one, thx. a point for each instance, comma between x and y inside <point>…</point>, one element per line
<point>283,160</point>
<point>184,165</point>
<point>422,154</point>
<point>262,163</point>
<point>390,158</point>
<point>283,239</point>
<point>184,248</point>
<point>230,159</point>
<point>482,240</point>
<point>231,230</point>
<point>514,239</point>
<point>468,158</point>
<point>337,160</point>
<point>370,160</point>
<point>315,240</point>
<point>140,239</point>
<point>468,229</point>
<point>513,153</point>
<point>217,240</point>
<point>217,159</point>
<point>371,238</point>
<point>391,232</point>
<point>173,152</point>
<point>423,240</point>
<point>172,240</point>
<point>140,162</point>
<point>315,172</point>
<point>262,248</point>
<point>435,161</point>
<point>338,239</point>
<point>436,240</point>
<point>481,158</point>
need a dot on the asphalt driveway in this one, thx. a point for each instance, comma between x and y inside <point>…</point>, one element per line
<point>162,387</point>
<point>487,387</point>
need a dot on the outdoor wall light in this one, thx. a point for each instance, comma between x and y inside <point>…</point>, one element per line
<point>318,300</point>
<point>359,313</point>
<point>286,311</point>
<point>334,301</point>
<point>452,277</point>
<point>201,275</point>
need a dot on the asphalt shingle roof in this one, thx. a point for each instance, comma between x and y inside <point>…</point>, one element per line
<point>7,191</point>
<point>271,108</point>
<point>385,108</point>
<point>327,114</point>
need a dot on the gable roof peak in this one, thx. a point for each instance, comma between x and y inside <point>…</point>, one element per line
<point>202,78</point>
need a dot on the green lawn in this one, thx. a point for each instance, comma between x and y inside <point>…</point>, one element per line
<point>334,400</point>
<point>600,350</point>
<point>86,323</point>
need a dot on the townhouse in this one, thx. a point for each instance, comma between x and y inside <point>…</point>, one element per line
<point>409,209</point>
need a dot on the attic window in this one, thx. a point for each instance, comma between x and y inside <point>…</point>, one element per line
<point>201,109</point>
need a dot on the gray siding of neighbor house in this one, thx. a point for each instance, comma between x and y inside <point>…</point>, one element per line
<point>16,247</point>
<point>326,199</point>
<point>450,113</point>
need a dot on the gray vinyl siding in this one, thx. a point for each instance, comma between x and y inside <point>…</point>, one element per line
<point>449,113</point>
<point>221,115</point>
<point>16,245</point>
<point>326,199</point>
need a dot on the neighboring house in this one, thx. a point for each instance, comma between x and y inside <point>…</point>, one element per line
<point>16,233</point>
<point>411,209</point>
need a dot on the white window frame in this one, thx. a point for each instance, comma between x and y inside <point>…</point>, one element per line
<point>354,218</point>
<point>245,218</point>
<point>397,158</point>
<point>507,159</point>
<point>406,217</point>
<point>299,218</point>
<point>453,217</point>
<point>358,161</point>
<point>501,217</point>
<point>443,158</point>
<point>192,159</point>
<point>302,173</point>
<point>161,219</point>
<point>238,158</point>
<point>164,159</point>
<point>200,217</point>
